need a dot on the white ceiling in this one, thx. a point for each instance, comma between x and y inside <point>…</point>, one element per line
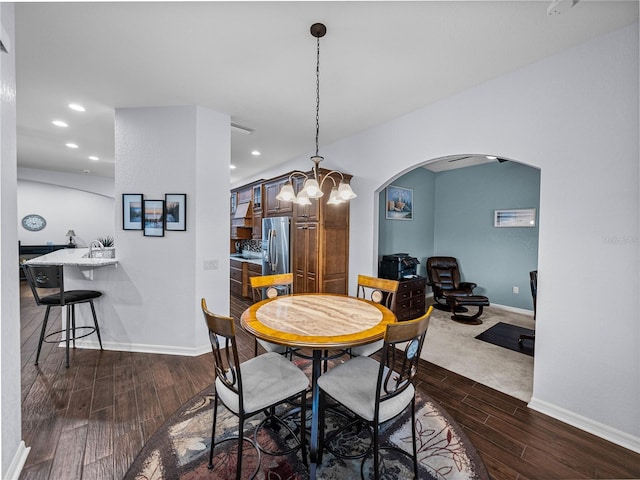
<point>256,62</point>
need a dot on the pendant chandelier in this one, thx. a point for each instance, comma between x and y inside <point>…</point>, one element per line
<point>312,188</point>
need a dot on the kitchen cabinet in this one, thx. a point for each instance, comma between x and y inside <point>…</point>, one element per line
<point>256,232</point>
<point>236,275</point>
<point>321,246</point>
<point>305,239</point>
<point>272,206</point>
<point>410,299</point>
<point>304,213</point>
<point>253,270</point>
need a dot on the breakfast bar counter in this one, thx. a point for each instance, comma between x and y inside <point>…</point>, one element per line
<point>78,257</point>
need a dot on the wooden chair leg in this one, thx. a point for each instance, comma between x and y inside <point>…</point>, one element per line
<point>213,431</point>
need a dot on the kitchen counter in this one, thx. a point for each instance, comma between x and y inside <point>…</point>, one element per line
<point>243,258</point>
<point>78,257</point>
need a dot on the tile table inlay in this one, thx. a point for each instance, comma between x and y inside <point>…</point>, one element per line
<point>319,315</point>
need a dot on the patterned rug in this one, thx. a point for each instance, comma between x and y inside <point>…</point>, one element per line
<point>180,447</point>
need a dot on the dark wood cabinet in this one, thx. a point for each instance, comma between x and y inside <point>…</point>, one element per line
<point>305,257</point>
<point>304,213</point>
<point>256,232</point>
<point>410,299</point>
<point>320,244</point>
<point>236,280</point>
<point>272,206</point>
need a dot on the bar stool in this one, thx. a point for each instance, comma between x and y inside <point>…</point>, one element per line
<point>52,277</point>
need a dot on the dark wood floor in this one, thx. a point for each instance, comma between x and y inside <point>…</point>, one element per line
<point>89,421</point>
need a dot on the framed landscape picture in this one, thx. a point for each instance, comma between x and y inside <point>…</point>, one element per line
<point>153,218</point>
<point>132,211</point>
<point>399,205</point>
<point>175,205</point>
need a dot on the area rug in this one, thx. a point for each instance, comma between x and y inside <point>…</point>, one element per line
<point>179,449</point>
<point>506,335</point>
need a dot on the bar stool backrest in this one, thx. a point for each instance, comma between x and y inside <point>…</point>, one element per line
<point>44,277</point>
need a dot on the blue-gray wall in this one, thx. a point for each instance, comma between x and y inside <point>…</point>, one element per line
<point>453,215</point>
<point>416,236</point>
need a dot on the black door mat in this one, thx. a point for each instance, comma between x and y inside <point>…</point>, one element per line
<point>506,335</point>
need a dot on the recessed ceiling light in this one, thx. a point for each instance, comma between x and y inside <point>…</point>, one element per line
<point>76,107</point>
<point>491,157</point>
<point>94,158</point>
<point>59,123</point>
<point>255,153</point>
<point>232,167</point>
<point>71,145</point>
<point>86,172</point>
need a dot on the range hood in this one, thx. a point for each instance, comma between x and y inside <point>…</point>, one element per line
<point>243,210</point>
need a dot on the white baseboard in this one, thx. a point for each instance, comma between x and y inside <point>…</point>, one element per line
<point>145,348</point>
<point>613,435</point>
<point>15,468</point>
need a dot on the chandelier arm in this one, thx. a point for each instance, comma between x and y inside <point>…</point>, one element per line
<point>328,175</point>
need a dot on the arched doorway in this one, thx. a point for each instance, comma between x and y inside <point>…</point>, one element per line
<point>453,201</point>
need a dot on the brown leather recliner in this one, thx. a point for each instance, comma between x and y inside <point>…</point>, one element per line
<point>444,278</point>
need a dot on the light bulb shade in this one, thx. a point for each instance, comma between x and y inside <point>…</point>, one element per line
<point>345,192</point>
<point>312,188</point>
<point>334,197</point>
<point>303,199</point>
<point>70,233</point>
<point>286,194</point>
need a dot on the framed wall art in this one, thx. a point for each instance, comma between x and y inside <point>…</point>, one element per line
<point>515,217</point>
<point>175,205</point>
<point>153,211</point>
<point>399,205</point>
<point>132,211</point>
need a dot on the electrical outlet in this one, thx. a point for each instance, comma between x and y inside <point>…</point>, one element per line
<point>516,290</point>
<point>210,265</point>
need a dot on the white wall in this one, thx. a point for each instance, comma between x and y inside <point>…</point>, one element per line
<point>12,450</point>
<point>152,298</point>
<point>90,215</point>
<point>574,116</point>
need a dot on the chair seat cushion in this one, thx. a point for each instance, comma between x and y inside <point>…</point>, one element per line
<point>368,349</point>
<point>266,380</point>
<point>71,296</point>
<point>353,384</point>
<point>272,347</point>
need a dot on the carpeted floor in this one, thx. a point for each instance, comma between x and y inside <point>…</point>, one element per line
<point>179,449</point>
<point>452,345</point>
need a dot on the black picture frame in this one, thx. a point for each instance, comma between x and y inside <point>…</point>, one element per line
<point>132,211</point>
<point>175,205</point>
<point>153,214</point>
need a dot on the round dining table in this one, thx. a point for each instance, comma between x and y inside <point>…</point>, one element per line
<point>320,322</point>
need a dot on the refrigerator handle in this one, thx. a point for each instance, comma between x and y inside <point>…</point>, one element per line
<point>272,253</point>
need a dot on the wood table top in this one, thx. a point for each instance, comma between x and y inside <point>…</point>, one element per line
<point>317,320</point>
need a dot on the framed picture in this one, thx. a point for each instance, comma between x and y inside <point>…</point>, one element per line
<point>175,205</point>
<point>132,211</point>
<point>153,218</point>
<point>399,204</point>
<point>515,217</point>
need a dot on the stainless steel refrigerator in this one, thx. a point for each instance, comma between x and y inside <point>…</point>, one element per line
<point>276,243</point>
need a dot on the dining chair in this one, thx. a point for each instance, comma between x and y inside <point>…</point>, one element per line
<point>270,286</point>
<point>378,391</point>
<point>379,290</point>
<point>251,387</point>
<point>47,286</point>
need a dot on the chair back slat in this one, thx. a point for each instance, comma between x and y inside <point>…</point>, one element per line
<point>274,284</point>
<point>399,366</point>
<point>379,290</point>
<point>44,277</point>
<point>222,335</point>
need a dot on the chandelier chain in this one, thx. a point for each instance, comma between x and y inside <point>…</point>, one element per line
<point>317,93</point>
